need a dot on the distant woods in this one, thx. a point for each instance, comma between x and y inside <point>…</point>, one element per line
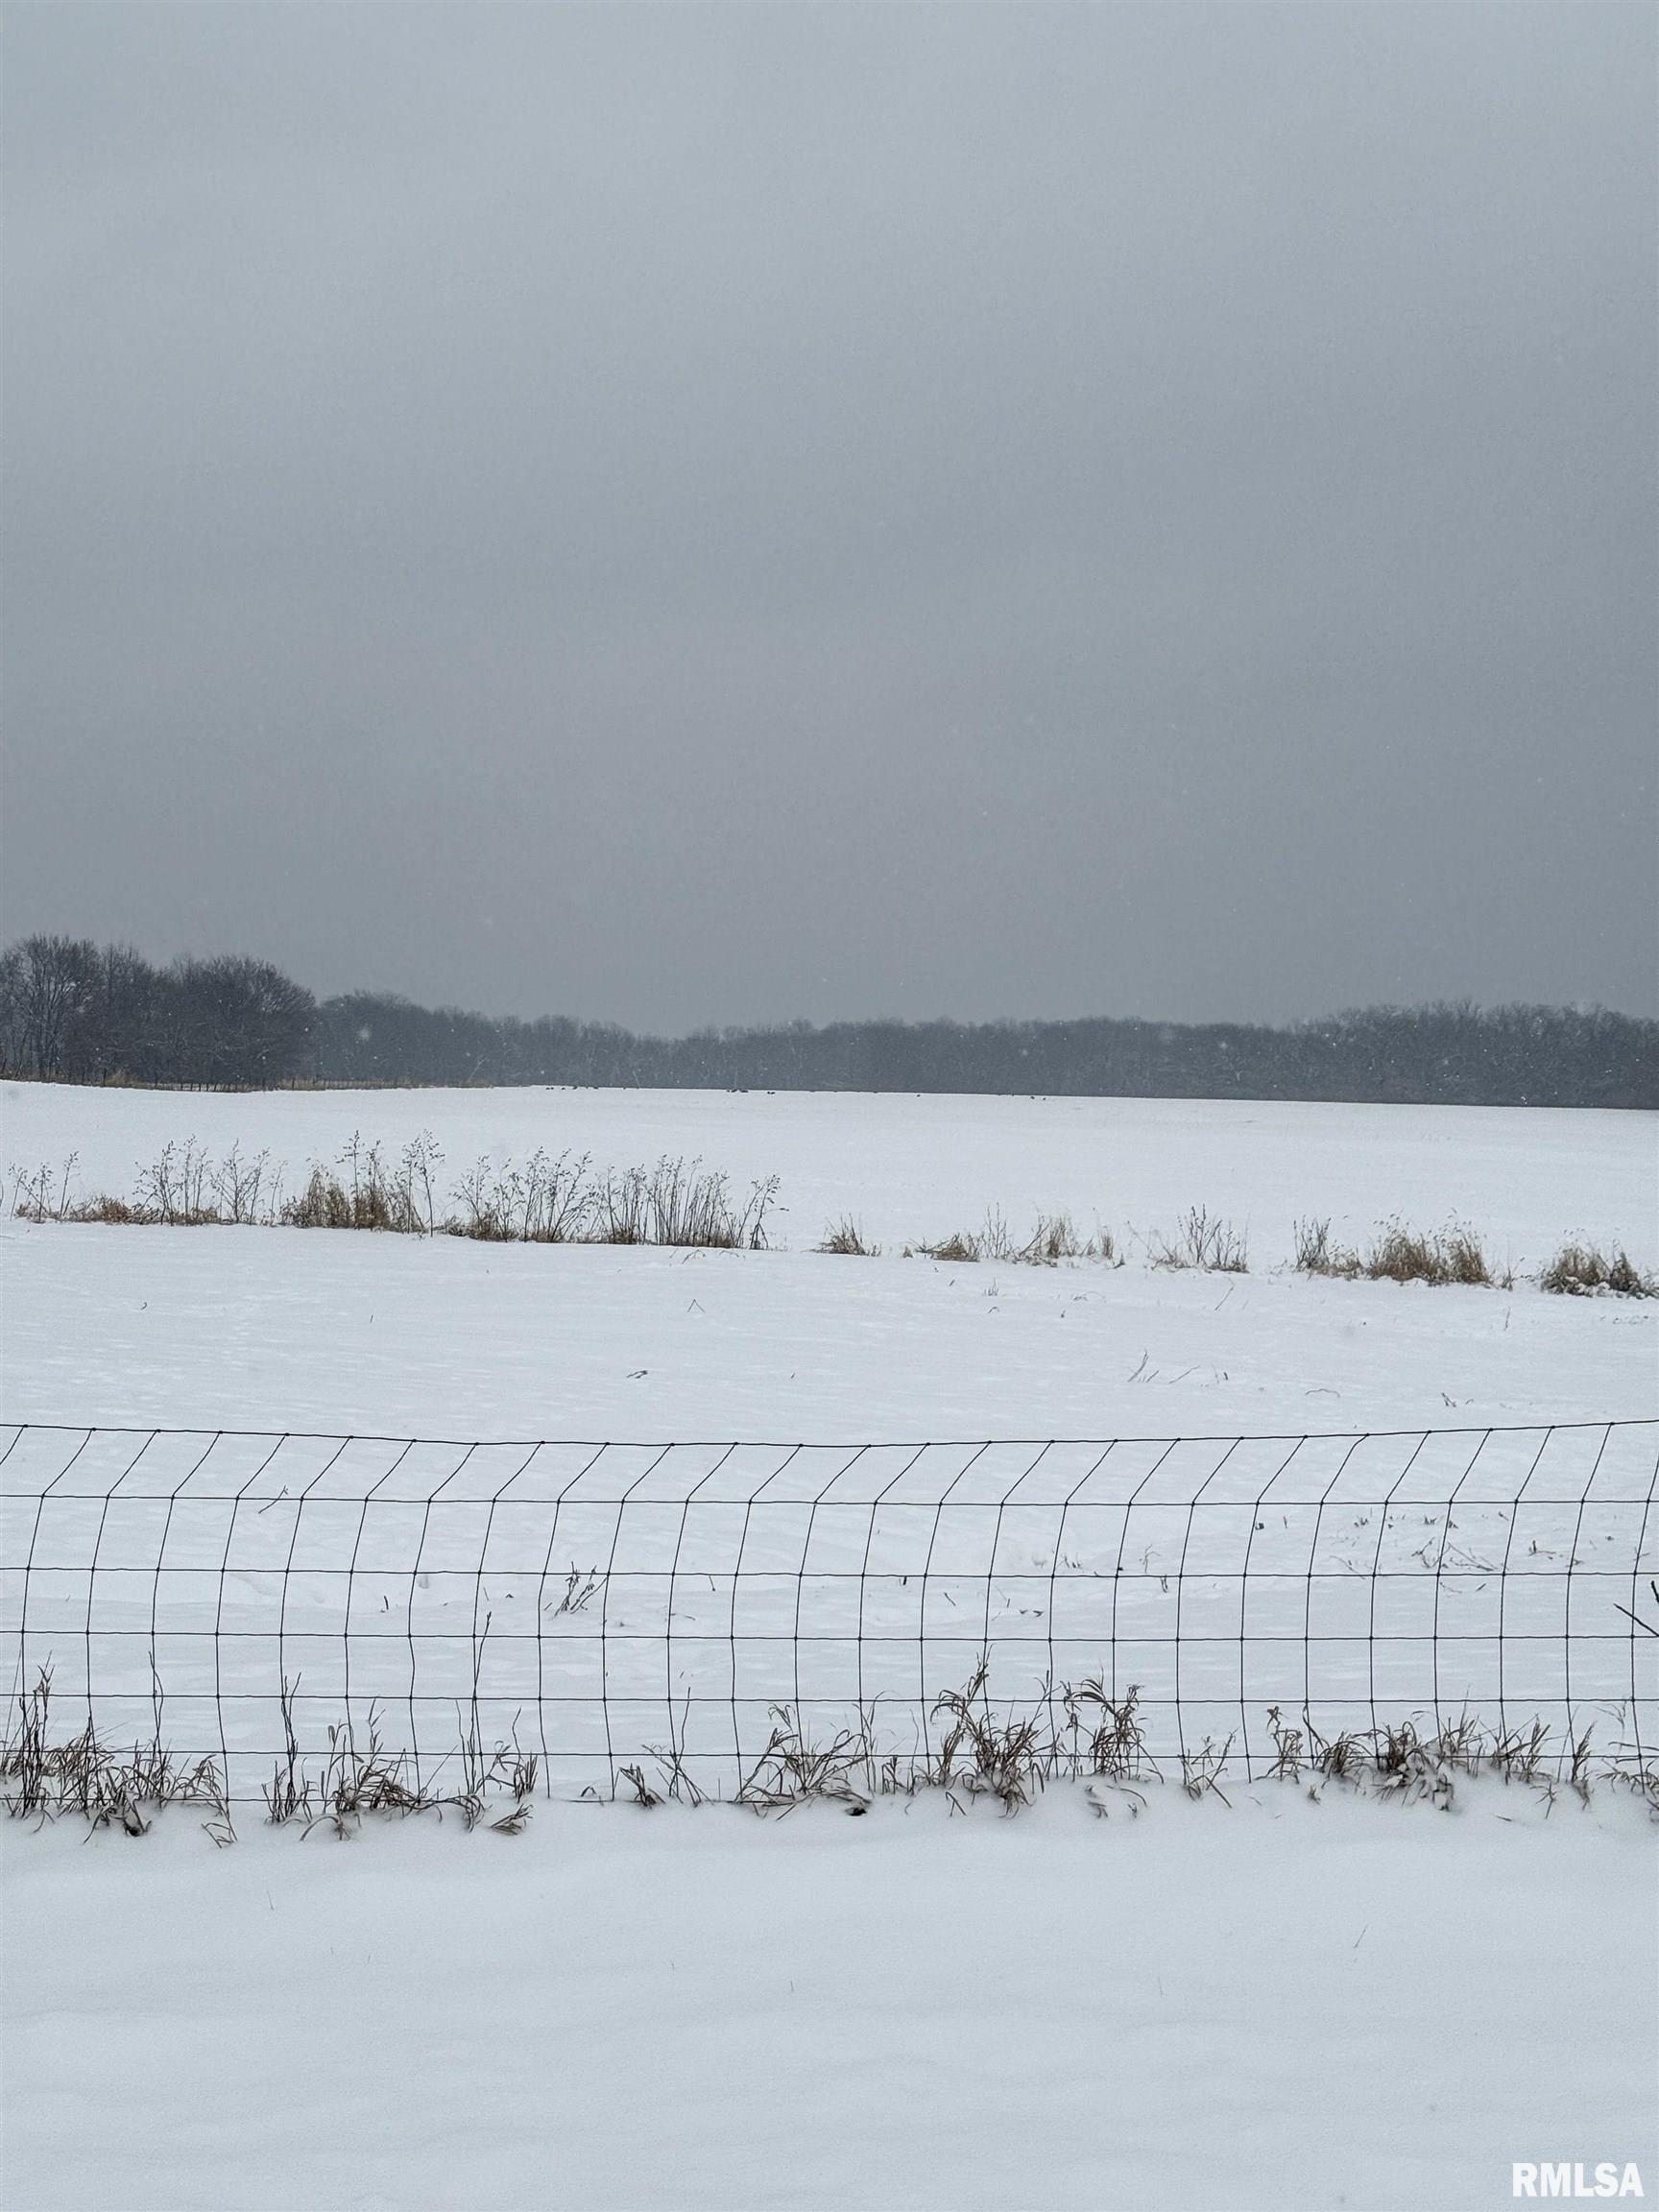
<point>86,1013</point>
<point>72,1011</point>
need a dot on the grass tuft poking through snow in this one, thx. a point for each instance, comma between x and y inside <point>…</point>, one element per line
<point>547,1201</point>
<point>1053,1237</point>
<point>847,1237</point>
<point>1204,1241</point>
<point>79,1776</point>
<point>1401,1254</point>
<point>1586,1271</point>
<point>565,1199</point>
<point>1006,1754</point>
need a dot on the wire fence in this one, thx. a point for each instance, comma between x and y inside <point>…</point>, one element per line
<point>608,1607</point>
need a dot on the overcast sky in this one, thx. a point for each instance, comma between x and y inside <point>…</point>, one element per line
<point>719,514</point>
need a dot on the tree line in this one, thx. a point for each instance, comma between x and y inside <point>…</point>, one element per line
<point>72,1011</point>
<point>83,1013</point>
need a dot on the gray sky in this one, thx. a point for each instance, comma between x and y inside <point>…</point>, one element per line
<point>717,513</point>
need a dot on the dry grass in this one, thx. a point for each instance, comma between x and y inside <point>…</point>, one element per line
<point>1201,1769</point>
<point>1106,1743</point>
<point>1585,1271</point>
<point>359,1781</point>
<point>365,1191</point>
<point>1455,1254</point>
<point>1053,1238</point>
<point>1007,1758</point>
<point>1399,1761</point>
<point>679,1786</point>
<point>565,1200</point>
<point>1316,1254</point>
<point>961,1246</point>
<point>1006,1754</point>
<point>792,1770</point>
<point>847,1237</point>
<point>79,1776</point>
<point>181,1189</point>
<point>1204,1241</point>
<point>1011,1755</point>
<point>1115,1745</point>
<point>678,1203</point>
<point>1400,1255</point>
<point>548,1201</point>
<point>364,1781</point>
<point>43,1193</point>
<point>106,1787</point>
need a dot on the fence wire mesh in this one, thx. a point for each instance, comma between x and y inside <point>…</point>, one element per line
<point>608,1607</point>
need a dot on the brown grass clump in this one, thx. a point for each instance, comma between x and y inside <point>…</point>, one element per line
<point>792,1770</point>
<point>1585,1271</point>
<point>41,1780</point>
<point>1112,1747</point>
<point>1400,1255</point>
<point>961,1246</point>
<point>1051,1241</point>
<point>1455,1255</point>
<point>368,1192</point>
<point>1053,1238</point>
<point>1316,1254</point>
<point>1008,1759</point>
<point>114,1212</point>
<point>846,1237</point>
<point>1403,1255</point>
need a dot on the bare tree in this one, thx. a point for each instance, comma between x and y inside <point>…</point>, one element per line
<point>238,1020</point>
<point>50,987</point>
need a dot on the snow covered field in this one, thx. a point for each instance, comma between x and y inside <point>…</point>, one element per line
<point>1283,2004</point>
<point>293,1329</point>
<point>914,1166</point>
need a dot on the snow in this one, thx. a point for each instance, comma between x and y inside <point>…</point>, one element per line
<point>913,1167</point>
<point>1276,2004</point>
<point>295,1329</point>
<point>1281,2006</point>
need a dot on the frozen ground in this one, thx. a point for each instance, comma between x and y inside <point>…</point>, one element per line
<point>1284,2005</point>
